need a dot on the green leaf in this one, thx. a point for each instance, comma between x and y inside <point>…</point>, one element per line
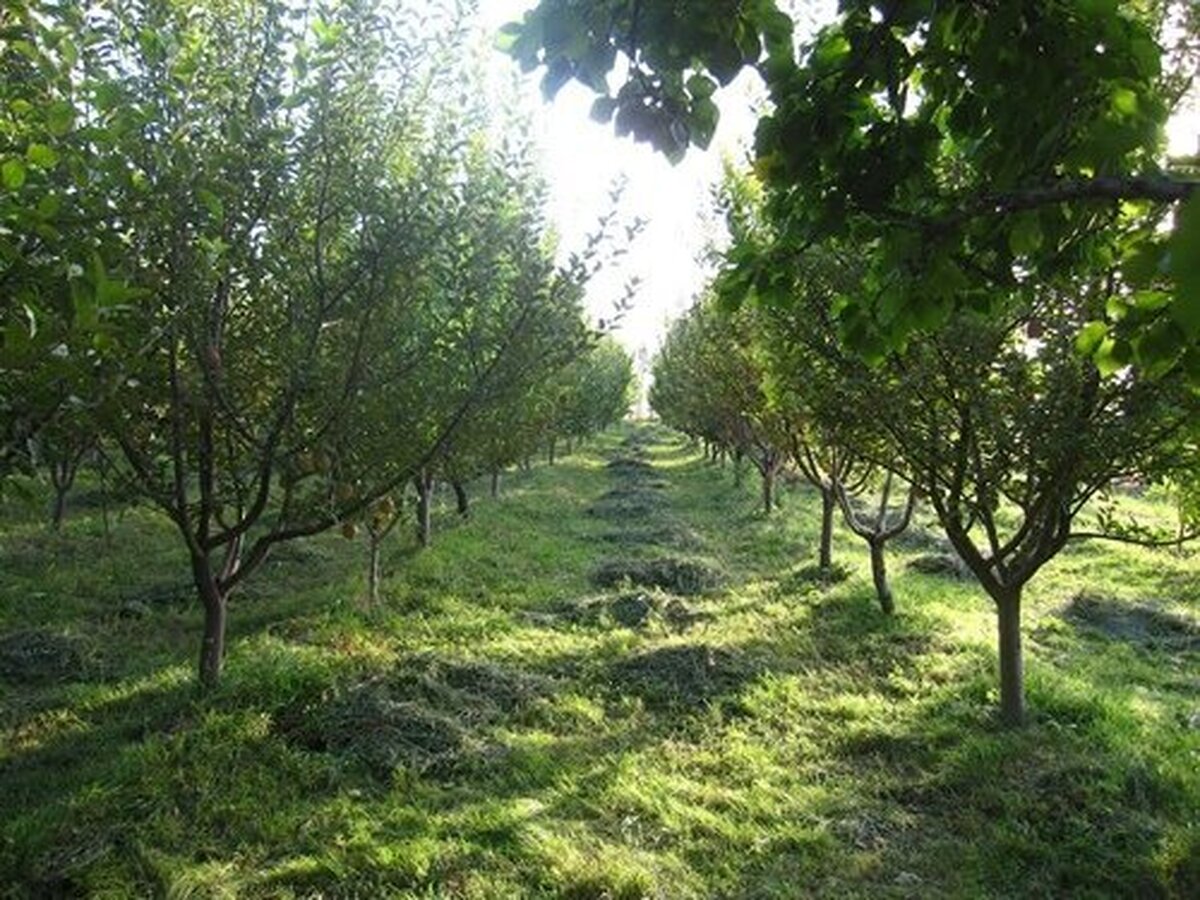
<point>60,117</point>
<point>1157,348</point>
<point>1143,263</point>
<point>603,109</point>
<point>701,86</point>
<point>703,123</point>
<point>507,37</point>
<point>49,206</point>
<point>1112,356</point>
<point>212,203</point>
<point>1089,338</point>
<point>12,174</point>
<point>1025,236</point>
<point>1124,102</point>
<point>42,156</point>
<point>1185,267</point>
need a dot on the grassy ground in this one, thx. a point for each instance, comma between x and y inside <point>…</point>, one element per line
<point>502,727</point>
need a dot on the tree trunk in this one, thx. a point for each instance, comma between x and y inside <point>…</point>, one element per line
<point>216,608</point>
<point>424,485</point>
<point>59,510</point>
<point>828,501</point>
<point>550,451</point>
<point>462,501</point>
<point>768,489</point>
<point>62,477</point>
<point>373,571</point>
<point>1012,666</point>
<point>883,590</point>
<point>495,483</point>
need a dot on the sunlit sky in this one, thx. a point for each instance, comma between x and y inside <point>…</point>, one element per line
<point>581,159</point>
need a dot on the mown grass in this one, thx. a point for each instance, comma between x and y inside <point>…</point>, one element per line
<point>493,730</point>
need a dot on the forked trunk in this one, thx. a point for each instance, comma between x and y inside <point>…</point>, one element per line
<point>828,502</point>
<point>883,590</point>
<point>1012,666</point>
<point>62,476</point>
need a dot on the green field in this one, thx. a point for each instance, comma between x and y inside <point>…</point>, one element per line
<point>503,727</point>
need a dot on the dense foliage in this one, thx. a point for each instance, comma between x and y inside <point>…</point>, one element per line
<point>254,260</point>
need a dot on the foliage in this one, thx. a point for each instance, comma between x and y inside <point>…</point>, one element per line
<point>960,150</point>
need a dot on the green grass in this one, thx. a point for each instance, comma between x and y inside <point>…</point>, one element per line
<point>780,739</point>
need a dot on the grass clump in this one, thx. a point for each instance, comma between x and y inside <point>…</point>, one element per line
<point>678,576</point>
<point>35,655</point>
<point>681,676</point>
<point>1134,623</point>
<point>428,715</point>
<point>943,565</point>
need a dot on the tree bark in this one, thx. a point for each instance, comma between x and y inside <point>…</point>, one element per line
<point>828,502</point>
<point>1012,666</point>
<point>883,590</point>
<point>495,483</point>
<point>768,489</point>
<point>216,609</point>
<point>462,501</point>
<point>62,477</point>
<point>59,510</point>
<point>424,486</point>
<point>373,571</point>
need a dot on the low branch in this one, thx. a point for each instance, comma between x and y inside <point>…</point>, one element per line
<point>1176,541</point>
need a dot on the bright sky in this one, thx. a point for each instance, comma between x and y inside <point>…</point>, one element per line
<point>581,160</point>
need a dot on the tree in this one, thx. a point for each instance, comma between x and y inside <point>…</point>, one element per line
<point>60,297</point>
<point>281,208</point>
<point>959,149</point>
<point>1010,432</point>
<point>709,382</point>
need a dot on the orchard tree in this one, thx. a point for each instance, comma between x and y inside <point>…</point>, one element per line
<point>1010,432</point>
<point>281,206</point>
<point>709,382</point>
<point>957,147</point>
<point>597,390</point>
<point>60,294</point>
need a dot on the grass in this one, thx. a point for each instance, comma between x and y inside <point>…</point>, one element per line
<point>494,730</point>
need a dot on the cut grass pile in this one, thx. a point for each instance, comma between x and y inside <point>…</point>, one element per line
<point>503,727</point>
